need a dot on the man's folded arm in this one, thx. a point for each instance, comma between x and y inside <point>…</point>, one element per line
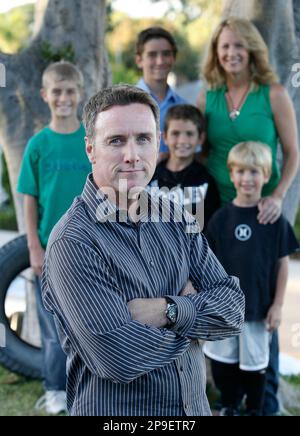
<point>80,289</point>
<point>217,311</point>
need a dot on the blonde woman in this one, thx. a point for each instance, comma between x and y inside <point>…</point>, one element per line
<point>244,101</point>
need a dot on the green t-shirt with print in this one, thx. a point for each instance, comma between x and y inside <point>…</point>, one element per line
<point>54,170</point>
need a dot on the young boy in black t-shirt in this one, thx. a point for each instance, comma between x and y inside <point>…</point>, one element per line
<point>181,177</point>
<point>258,255</point>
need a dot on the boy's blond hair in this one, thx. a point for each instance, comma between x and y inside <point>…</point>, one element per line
<point>62,70</point>
<point>251,154</point>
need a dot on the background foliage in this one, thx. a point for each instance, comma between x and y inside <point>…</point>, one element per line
<point>191,22</point>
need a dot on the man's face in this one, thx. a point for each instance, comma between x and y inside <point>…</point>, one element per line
<point>62,97</point>
<point>125,148</point>
<point>157,60</point>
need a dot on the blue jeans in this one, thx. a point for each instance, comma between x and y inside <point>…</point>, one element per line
<point>271,405</point>
<point>54,359</point>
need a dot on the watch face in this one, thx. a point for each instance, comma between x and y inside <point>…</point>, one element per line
<point>172,313</point>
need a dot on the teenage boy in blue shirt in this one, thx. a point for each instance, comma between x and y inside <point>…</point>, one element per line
<point>156,52</point>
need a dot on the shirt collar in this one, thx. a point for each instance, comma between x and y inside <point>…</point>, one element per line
<point>101,209</point>
<point>170,96</point>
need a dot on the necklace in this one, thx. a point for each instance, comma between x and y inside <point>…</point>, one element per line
<point>236,111</point>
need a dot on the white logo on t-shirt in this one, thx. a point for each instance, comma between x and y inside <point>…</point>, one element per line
<point>182,196</point>
<point>243,233</point>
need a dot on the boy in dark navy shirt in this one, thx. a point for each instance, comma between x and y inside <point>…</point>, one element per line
<point>181,176</point>
<point>258,255</point>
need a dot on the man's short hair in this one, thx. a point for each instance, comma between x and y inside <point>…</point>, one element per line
<point>251,154</point>
<point>154,33</point>
<point>63,70</point>
<point>117,95</point>
<point>186,112</point>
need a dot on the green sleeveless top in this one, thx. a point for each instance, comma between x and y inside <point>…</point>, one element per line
<point>255,123</point>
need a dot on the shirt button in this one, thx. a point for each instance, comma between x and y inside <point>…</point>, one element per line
<point>151,263</point>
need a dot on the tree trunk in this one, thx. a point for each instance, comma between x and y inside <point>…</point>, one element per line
<point>279,23</point>
<point>78,23</point>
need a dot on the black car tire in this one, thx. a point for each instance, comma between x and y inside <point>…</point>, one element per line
<point>17,355</point>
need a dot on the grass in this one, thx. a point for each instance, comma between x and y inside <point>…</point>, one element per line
<point>214,396</point>
<point>297,225</point>
<point>297,231</point>
<point>8,218</point>
<point>18,395</point>
<point>7,213</point>
<point>295,382</point>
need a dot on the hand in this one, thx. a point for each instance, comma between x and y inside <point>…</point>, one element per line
<point>37,256</point>
<point>150,311</point>
<point>273,319</point>
<point>188,290</point>
<point>270,209</point>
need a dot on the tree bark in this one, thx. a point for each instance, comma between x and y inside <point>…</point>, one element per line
<point>279,23</point>
<point>78,23</point>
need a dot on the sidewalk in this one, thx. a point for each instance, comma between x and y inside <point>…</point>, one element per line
<point>290,328</point>
<point>6,236</point>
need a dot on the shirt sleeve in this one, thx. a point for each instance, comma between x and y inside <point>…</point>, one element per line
<point>217,311</point>
<point>82,292</point>
<point>28,177</point>
<point>288,242</point>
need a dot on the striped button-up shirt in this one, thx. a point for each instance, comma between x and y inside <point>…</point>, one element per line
<point>94,266</point>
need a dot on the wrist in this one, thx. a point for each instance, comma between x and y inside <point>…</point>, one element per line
<point>186,314</point>
<point>171,312</point>
<point>278,194</point>
<point>277,304</point>
<point>34,245</point>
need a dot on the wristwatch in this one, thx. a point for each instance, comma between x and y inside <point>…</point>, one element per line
<point>171,312</point>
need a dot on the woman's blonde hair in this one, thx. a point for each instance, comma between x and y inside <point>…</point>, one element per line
<point>260,68</point>
<point>251,154</point>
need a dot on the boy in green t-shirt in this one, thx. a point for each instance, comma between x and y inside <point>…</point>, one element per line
<point>53,173</point>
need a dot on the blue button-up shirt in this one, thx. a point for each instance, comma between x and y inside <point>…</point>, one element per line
<point>170,100</point>
<point>94,266</point>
